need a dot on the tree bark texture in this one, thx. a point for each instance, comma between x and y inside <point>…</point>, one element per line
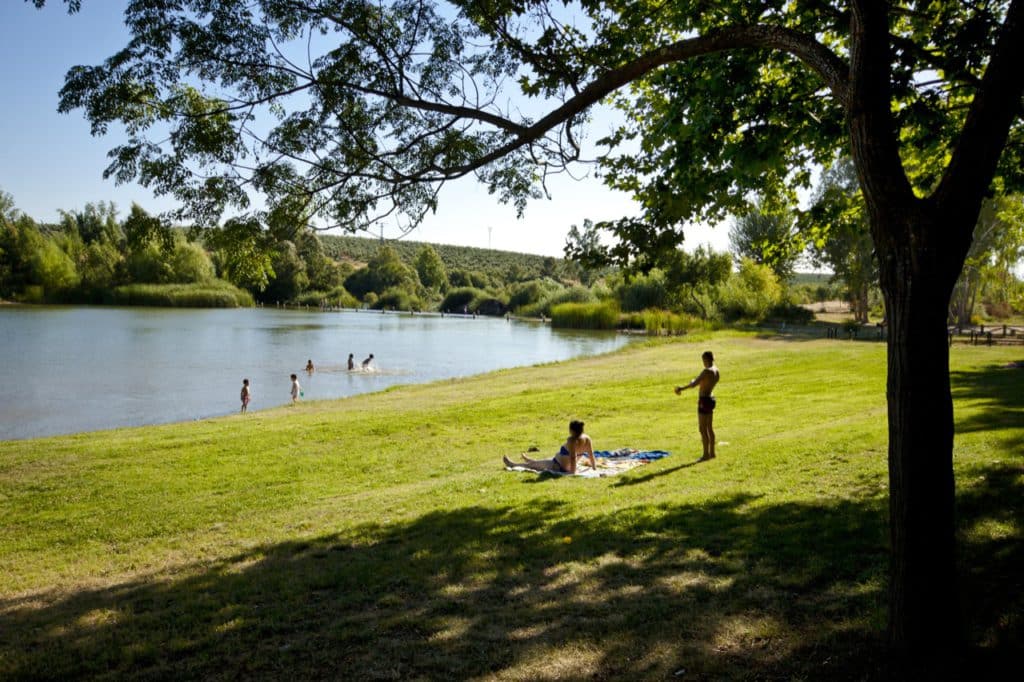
<point>924,618</point>
<point>919,259</point>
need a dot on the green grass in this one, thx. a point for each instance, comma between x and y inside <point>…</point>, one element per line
<point>585,316</point>
<point>377,537</point>
<point>211,294</point>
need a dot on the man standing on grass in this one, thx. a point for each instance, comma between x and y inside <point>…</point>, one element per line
<point>705,382</point>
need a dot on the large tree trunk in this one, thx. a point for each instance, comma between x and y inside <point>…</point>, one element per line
<point>924,618</point>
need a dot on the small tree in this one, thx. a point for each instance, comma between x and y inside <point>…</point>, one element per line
<point>290,278</point>
<point>769,236</point>
<point>430,268</point>
<point>837,228</point>
<point>384,271</point>
<point>242,253</point>
<point>997,247</point>
<point>189,262</point>
<point>52,268</point>
<point>694,277</point>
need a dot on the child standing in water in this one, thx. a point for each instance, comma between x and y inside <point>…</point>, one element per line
<point>296,389</point>
<point>246,395</point>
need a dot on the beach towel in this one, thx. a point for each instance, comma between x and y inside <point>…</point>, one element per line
<point>631,453</point>
<point>609,463</point>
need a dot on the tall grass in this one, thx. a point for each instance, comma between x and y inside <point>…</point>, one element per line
<point>585,315</point>
<point>211,294</point>
<point>654,322</point>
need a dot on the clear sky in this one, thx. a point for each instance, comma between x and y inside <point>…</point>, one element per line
<point>50,162</point>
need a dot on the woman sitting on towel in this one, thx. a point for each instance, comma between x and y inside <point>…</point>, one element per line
<point>564,462</point>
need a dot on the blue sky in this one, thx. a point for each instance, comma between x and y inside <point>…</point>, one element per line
<point>49,161</point>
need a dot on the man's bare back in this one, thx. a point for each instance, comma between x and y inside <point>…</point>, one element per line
<point>706,381</point>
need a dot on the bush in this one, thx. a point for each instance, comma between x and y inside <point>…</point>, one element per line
<point>215,294</point>
<point>575,294</point>
<point>53,269</point>
<point>148,264</point>
<point>398,298</point>
<point>585,315</point>
<point>462,299</point>
<point>189,262</point>
<point>791,312</point>
<point>532,292</point>
<point>32,293</point>
<point>750,293</point>
<point>644,292</point>
<point>338,296</point>
<point>999,310</point>
<point>490,305</point>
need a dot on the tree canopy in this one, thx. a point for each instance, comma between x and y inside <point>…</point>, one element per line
<point>345,112</point>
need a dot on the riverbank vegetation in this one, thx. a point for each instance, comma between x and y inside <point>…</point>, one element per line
<point>92,256</point>
<point>377,537</point>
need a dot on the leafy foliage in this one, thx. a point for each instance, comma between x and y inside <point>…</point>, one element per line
<point>997,247</point>
<point>751,293</point>
<point>840,237</point>
<point>767,235</point>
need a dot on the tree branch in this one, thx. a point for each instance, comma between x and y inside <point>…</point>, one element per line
<point>874,142</point>
<point>823,61</point>
<point>993,111</point>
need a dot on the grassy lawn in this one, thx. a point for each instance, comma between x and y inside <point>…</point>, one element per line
<point>378,537</point>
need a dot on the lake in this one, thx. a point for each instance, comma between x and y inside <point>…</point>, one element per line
<point>70,369</point>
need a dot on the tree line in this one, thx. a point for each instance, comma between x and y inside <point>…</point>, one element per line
<point>92,256</point>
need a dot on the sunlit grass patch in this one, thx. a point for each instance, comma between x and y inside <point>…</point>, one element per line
<point>379,537</point>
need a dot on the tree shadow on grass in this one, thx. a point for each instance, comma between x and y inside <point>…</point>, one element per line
<point>736,589</point>
<point>631,477</point>
<point>1000,390</point>
<point>991,522</point>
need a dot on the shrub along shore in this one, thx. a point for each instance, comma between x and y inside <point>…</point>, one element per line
<point>377,537</point>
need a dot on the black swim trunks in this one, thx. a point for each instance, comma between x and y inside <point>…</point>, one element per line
<point>705,405</point>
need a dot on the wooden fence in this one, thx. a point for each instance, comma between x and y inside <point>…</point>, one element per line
<point>981,335</point>
<point>987,335</point>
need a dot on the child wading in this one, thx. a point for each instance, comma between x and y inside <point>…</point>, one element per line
<point>246,395</point>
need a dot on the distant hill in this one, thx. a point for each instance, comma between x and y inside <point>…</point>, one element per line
<point>813,278</point>
<point>490,261</point>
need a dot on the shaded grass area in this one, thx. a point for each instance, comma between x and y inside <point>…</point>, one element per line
<point>377,538</point>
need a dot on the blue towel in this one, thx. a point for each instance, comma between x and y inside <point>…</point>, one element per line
<point>627,453</point>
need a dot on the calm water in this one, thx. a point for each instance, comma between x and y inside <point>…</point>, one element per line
<point>70,369</point>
